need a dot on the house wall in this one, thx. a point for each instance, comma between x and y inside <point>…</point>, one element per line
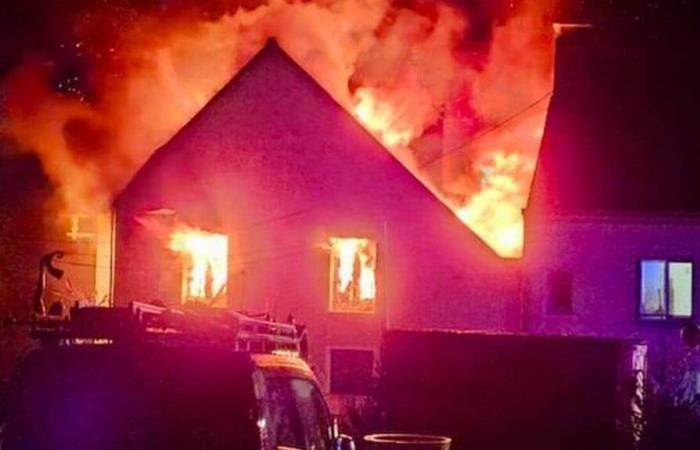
<point>602,254</point>
<point>278,165</point>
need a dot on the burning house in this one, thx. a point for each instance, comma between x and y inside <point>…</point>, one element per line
<point>374,188</point>
<point>272,196</point>
<point>274,200</point>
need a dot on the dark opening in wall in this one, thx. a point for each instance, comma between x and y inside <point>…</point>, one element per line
<point>560,298</point>
<point>351,371</point>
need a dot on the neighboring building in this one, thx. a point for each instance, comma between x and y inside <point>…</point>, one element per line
<point>613,225</point>
<point>317,218</point>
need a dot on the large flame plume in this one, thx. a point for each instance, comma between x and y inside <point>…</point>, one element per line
<point>121,78</point>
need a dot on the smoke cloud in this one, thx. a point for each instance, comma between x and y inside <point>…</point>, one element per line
<point>103,84</point>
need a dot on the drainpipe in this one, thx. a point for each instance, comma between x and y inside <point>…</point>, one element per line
<point>385,277</point>
<point>522,282</point>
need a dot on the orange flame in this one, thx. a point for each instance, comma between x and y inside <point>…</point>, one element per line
<point>379,119</point>
<point>494,211</point>
<point>206,270</point>
<point>355,267</point>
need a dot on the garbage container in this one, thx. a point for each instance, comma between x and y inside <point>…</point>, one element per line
<point>406,441</point>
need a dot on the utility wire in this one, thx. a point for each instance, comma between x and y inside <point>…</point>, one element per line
<point>272,257</point>
<point>486,131</point>
<point>304,211</point>
<point>301,212</point>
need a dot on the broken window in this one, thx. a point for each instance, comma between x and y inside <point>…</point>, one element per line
<point>204,265</point>
<point>666,289</point>
<point>352,278</point>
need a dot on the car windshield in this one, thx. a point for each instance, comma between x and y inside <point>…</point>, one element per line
<point>114,398</point>
<point>296,415</point>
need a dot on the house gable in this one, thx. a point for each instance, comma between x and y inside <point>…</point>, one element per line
<point>278,162</point>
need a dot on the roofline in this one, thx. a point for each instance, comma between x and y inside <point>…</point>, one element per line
<point>283,365</point>
<point>531,193</point>
<point>195,118</point>
<point>590,38</point>
<point>272,43</point>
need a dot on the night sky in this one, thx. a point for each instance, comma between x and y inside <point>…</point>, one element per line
<point>54,28</point>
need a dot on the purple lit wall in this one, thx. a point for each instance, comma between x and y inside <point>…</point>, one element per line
<point>603,256</point>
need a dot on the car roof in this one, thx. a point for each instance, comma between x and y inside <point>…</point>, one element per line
<point>270,364</point>
<point>283,365</point>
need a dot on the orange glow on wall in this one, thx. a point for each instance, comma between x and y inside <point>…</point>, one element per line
<point>205,265</point>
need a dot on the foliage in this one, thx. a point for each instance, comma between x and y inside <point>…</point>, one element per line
<point>672,407</point>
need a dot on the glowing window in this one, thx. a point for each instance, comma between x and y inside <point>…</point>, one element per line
<point>205,265</point>
<point>82,227</point>
<point>666,289</point>
<point>353,275</point>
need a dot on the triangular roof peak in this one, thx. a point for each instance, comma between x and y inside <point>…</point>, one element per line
<point>273,107</point>
<point>270,54</point>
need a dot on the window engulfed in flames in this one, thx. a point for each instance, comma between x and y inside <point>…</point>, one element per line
<point>205,265</point>
<point>353,275</point>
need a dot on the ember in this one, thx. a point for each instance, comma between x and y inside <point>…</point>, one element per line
<point>205,265</point>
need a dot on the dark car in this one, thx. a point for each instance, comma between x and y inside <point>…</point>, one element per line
<point>146,394</point>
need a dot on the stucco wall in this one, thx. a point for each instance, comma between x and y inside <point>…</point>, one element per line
<point>602,254</point>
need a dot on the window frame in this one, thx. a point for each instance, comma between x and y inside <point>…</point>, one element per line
<point>332,278</point>
<point>186,267</point>
<point>667,317</point>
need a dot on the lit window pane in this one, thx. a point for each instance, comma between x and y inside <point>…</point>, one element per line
<point>680,275</point>
<point>653,296</point>
<point>205,265</point>
<point>352,278</point>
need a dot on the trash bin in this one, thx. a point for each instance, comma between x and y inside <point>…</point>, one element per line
<point>406,441</point>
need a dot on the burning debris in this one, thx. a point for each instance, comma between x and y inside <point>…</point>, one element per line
<point>114,81</point>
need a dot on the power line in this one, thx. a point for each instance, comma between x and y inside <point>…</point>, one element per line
<point>486,131</point>
<point>273,256</point>
<point>303,211</point>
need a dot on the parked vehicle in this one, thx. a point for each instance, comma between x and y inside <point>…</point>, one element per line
<point>151,379</point>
